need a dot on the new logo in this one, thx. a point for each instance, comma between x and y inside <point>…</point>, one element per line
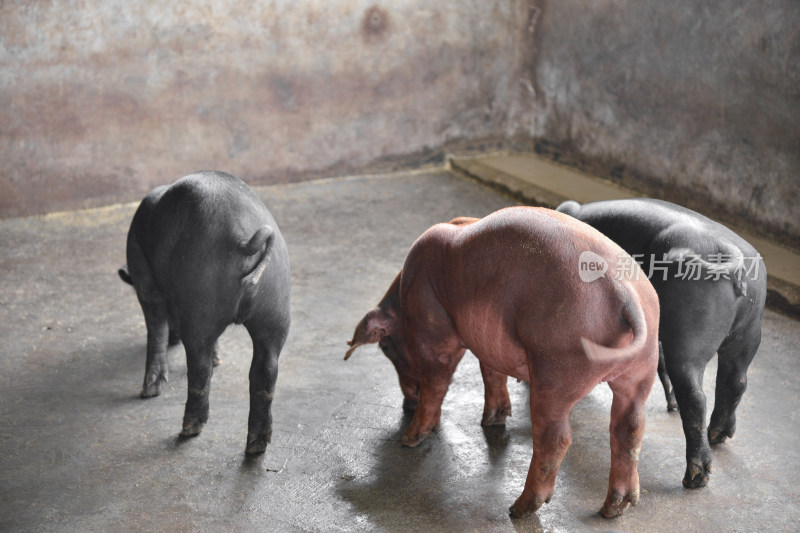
<point>591,266</point>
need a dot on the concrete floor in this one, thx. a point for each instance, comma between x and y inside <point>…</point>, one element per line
<point>79,451</point>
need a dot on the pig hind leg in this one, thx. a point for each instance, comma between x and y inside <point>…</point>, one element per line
<point>268,342</point>
<point>626,431</point>
<point>735,355</point>
<point>156,310</point>
<point>175,332</point>
<point>200,343</point>
<point>156,373</point>
<point>552,436</point>
<point>686,363</point>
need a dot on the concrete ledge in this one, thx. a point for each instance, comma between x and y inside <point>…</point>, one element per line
<point>533,180</point>
<point>509,184</point>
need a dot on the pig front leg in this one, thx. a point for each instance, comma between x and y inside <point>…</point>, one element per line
<point>215,355</point>
<point>497,404</point>
<point>174,326</point>
<point>428,414</point>
<point>155,374</point>
<point>669,393</point>
<point>437,373</point>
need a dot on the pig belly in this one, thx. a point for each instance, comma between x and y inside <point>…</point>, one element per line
<point>492,345</point>
<point>510,363</point>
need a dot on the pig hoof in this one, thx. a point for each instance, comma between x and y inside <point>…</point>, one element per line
<point>256,448</point>
<point>517,512</point>
<point>191,429</point>
<point>215,360</point>
<point>409,405</point>
<point>521,509</point>
<point>258,444</point>
<point>718,436</point>
<point>152,389</point>
<point>697,475</point>
<point>612,511</point>
<point>413,441</point>
<point>617,503</point>
<point>672,403</point>
<point>153,380</point>
<point>150,392</point>
<point>496,417</point>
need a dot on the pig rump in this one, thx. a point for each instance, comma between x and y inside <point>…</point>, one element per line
<point>204,253</point>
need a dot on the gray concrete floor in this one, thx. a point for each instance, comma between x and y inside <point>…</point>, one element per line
<point>79,451</point>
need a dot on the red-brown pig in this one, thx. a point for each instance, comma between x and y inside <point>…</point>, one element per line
<point>533,294</point>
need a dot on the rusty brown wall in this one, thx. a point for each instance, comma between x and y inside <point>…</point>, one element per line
<point>101,101</point>
<point>698,102</point>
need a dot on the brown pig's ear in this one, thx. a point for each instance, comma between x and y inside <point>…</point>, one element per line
<point>373,327</point>
<point>463,221</point>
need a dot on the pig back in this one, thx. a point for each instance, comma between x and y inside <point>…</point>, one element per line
<point>196,233</point>
<point>512,284</point>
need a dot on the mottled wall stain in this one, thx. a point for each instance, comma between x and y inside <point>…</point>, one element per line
<point>693,102</point>
<point>375,24</point>
<point>101,102</point>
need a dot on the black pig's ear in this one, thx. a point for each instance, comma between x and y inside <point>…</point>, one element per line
<point>373,327</point>
<point>570,207</point>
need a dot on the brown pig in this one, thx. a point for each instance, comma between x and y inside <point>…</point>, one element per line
<point>534,295</point>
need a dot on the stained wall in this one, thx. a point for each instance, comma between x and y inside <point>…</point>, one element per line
<point>100,101</point>
<point>697,102</point>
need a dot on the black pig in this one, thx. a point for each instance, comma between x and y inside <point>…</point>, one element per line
<point>707,306</point>
<point>203,253</point>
